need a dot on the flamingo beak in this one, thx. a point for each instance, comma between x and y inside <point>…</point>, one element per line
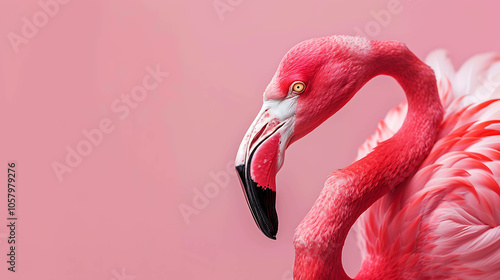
<point>259,158</point>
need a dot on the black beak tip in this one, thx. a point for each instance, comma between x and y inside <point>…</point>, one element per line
<point>272,236</point>
<point>262,203</point>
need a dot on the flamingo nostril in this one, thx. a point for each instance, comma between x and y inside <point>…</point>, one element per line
<point>258,135</point>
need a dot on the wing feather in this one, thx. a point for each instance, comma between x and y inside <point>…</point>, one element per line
<point>445,220</point>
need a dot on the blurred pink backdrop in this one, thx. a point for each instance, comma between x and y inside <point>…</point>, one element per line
<point>115,214</point>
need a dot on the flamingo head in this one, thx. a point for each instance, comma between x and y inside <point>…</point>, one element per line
<point>313,81</point>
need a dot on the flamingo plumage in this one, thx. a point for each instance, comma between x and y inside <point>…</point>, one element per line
<point>423,192</point>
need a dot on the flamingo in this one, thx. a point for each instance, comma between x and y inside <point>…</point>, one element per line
<point>423,192</point>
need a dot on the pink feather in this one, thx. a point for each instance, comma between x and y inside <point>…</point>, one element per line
<point>449,211</point>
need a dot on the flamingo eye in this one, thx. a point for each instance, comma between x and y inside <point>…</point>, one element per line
<point>298,87</point>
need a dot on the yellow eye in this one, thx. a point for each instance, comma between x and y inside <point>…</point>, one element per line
<point>298,87</point>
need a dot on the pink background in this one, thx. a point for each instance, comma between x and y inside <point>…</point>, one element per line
<point>116,215</point>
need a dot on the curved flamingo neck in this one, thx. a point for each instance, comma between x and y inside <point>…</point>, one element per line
<point>349,192</point>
